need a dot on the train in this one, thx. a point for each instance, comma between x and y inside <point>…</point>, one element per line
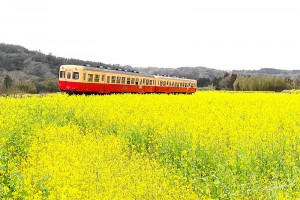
<point>82,79</point>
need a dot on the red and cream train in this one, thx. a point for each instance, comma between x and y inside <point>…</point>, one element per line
<point>75,79</point>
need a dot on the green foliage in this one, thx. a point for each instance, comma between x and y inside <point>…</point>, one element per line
<point>13,151</point>
<point>141,141</point>
<point>203,82</point>
<point>26,88</point>
<point>49,85</point>
<point>261,83</point>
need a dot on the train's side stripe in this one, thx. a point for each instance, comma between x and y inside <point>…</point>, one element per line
<point>103,88</point>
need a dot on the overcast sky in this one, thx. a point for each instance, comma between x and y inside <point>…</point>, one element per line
<point>232,34</point>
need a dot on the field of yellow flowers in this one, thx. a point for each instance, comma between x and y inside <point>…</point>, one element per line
<point>206,145</point>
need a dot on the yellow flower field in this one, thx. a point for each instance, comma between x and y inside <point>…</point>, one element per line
<point>206,145</point>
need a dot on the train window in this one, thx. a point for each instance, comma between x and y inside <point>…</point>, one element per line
<point>113,79</point>
<point>123,80</point>
<point>68,75</point>
<point>128,81</point>
<point>147,82</point>
<point>84,76</point>
<point>103,78</point>
<point>118,79</point>
<point>90,77</point>
<point>132,81</point>
<point>62,74</point>
<point>97,77</point>
<point>141,81</point>
<point>108,79</point>
<point>75,75</point>
<point>150,82</point>
<point>136,81</point>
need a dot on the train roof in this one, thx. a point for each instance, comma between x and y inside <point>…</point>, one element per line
<point>173,78</point>
<point>135,73</point>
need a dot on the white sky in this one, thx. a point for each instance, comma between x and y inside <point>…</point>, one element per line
<point>232,34</point>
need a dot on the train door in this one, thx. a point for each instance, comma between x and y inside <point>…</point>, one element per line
<point>102,84</point>
<point>83,85</point>
<point>106,83</point>
<point>141,88</point>
<point>62,80</point>
<point>67,81</point>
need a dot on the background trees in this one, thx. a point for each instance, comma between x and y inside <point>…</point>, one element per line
<point>262,83</point>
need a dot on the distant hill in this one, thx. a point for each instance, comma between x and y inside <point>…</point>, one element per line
<point>34,71</point>
<point>41,71</point>
<point>269,72</point>
<point>188,72</point>
<point>23,64</point>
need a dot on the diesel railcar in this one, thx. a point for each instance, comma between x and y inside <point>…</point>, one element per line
<point>75,79</point>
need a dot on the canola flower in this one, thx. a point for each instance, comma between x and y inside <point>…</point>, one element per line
<point>205,145</point>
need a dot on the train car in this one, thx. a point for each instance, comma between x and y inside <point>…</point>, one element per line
<point>75,79</point>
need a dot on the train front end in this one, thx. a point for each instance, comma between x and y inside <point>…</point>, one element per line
<point>69,79</point>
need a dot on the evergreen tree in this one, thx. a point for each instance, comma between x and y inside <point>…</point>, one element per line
<point>7,82</point>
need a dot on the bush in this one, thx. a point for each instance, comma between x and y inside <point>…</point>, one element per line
<point>26,88</point>
<point>261,83</point>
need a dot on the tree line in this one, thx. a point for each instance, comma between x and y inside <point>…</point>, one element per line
<point>250,83</point>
